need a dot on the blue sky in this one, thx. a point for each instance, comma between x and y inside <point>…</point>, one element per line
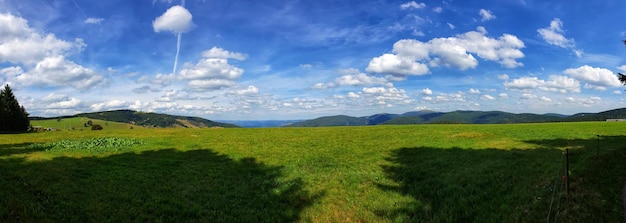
<point>281,59</point>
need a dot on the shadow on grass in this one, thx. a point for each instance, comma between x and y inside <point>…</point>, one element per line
<point>490,185</point>
<point>20,148</point>
<point>155,186</point>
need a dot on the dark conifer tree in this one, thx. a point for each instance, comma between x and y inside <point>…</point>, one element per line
<point>14,117</point>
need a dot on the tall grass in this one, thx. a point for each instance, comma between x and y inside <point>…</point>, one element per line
<point>421,173</point>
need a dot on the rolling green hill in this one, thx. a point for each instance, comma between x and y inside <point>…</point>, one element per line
<point>339,120</point>
<point>78,123</point>
<point>459,117</point>
<point>148,119</point>
<point>601,116</point>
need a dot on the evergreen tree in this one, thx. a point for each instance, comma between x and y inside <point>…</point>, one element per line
<point>13,117</point>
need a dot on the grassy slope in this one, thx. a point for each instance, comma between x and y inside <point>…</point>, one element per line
<point>435,173</point>
<point>78,123</point>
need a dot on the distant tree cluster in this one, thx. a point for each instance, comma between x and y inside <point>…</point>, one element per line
<point>13,116</point>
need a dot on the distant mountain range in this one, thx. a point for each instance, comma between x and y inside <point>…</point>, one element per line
<point>466,117</point>
<point>260,123</point>
<point>149,119</point>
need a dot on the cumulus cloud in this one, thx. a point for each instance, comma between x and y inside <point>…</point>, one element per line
<point>486,15</point>
<point>211,68</point>
<point>413,5</point>
<point>473,91</point>
<point>355,78</point>
<point>387,96</point>
<point>213,71</point>
<point>20,44</point>
<point>426,91</point>
<point>210,84</point>
<point>250,90</point>
<point>57,71</point>
<point>396,65</point>
<point>554,35</point>
<point>528,96</point>
<point>176,19</point>
<point>113,104</point>
<point>487,97</point>
<point>413,57</point>
<point>596,78</point>
<point>546,99</point>
<point>93,20</point>
<point>555,83</point>
<point>220,53</point>
<point>503,96</point>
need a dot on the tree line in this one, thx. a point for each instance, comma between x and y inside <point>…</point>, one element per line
<point>13,116</point>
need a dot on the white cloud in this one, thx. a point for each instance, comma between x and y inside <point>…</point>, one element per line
<point>113,104</point>
<point>162,80</point>
<point>413,5</point>
<point>56,71</point>
<point>597,78</point>
<point>210,68</point>
<point>426,91</point>
<point>387,96</point>
<point>210,84</point>
<point>546,99</point>
<point>487,97</point>
<point>586,102</point>
<point>451,25</point>
<point>220,53</point>
<point>622,68</point>
<point>396,65</point>
<point>176,19</point>
<point>320,86</point>
<point>413,57</point>
<point>503,77</point>
<point>554,34</point>
<point>503,96</point>
<point>93,20</point>
<point>353,95</point>
<point>20,44</point>
<point>251,90</point>
<point>473,91</point>
<point>10,72</point>
<point>486,15</point>
<point>528,96</point>
<point>438,9</point>
<point>561,84</point>
<point>617,92</point>
<point>356,78</point>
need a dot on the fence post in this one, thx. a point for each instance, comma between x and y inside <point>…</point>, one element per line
<point>566,172</point>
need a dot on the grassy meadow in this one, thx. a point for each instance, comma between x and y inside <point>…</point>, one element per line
<point>409,173</point>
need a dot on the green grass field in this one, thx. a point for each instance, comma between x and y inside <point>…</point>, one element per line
<point>78,124</point>
<point>418,173</point>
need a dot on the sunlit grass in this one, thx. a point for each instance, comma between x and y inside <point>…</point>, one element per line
<point>434,173</point>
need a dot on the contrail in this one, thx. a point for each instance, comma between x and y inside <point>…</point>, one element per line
<point>178,47</point>
<point>177,52</point>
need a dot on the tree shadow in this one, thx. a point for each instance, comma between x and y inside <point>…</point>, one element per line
<point>19,148</point>
<point>466,185</point>
<point>492,185</point>
<point>154,186</point>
